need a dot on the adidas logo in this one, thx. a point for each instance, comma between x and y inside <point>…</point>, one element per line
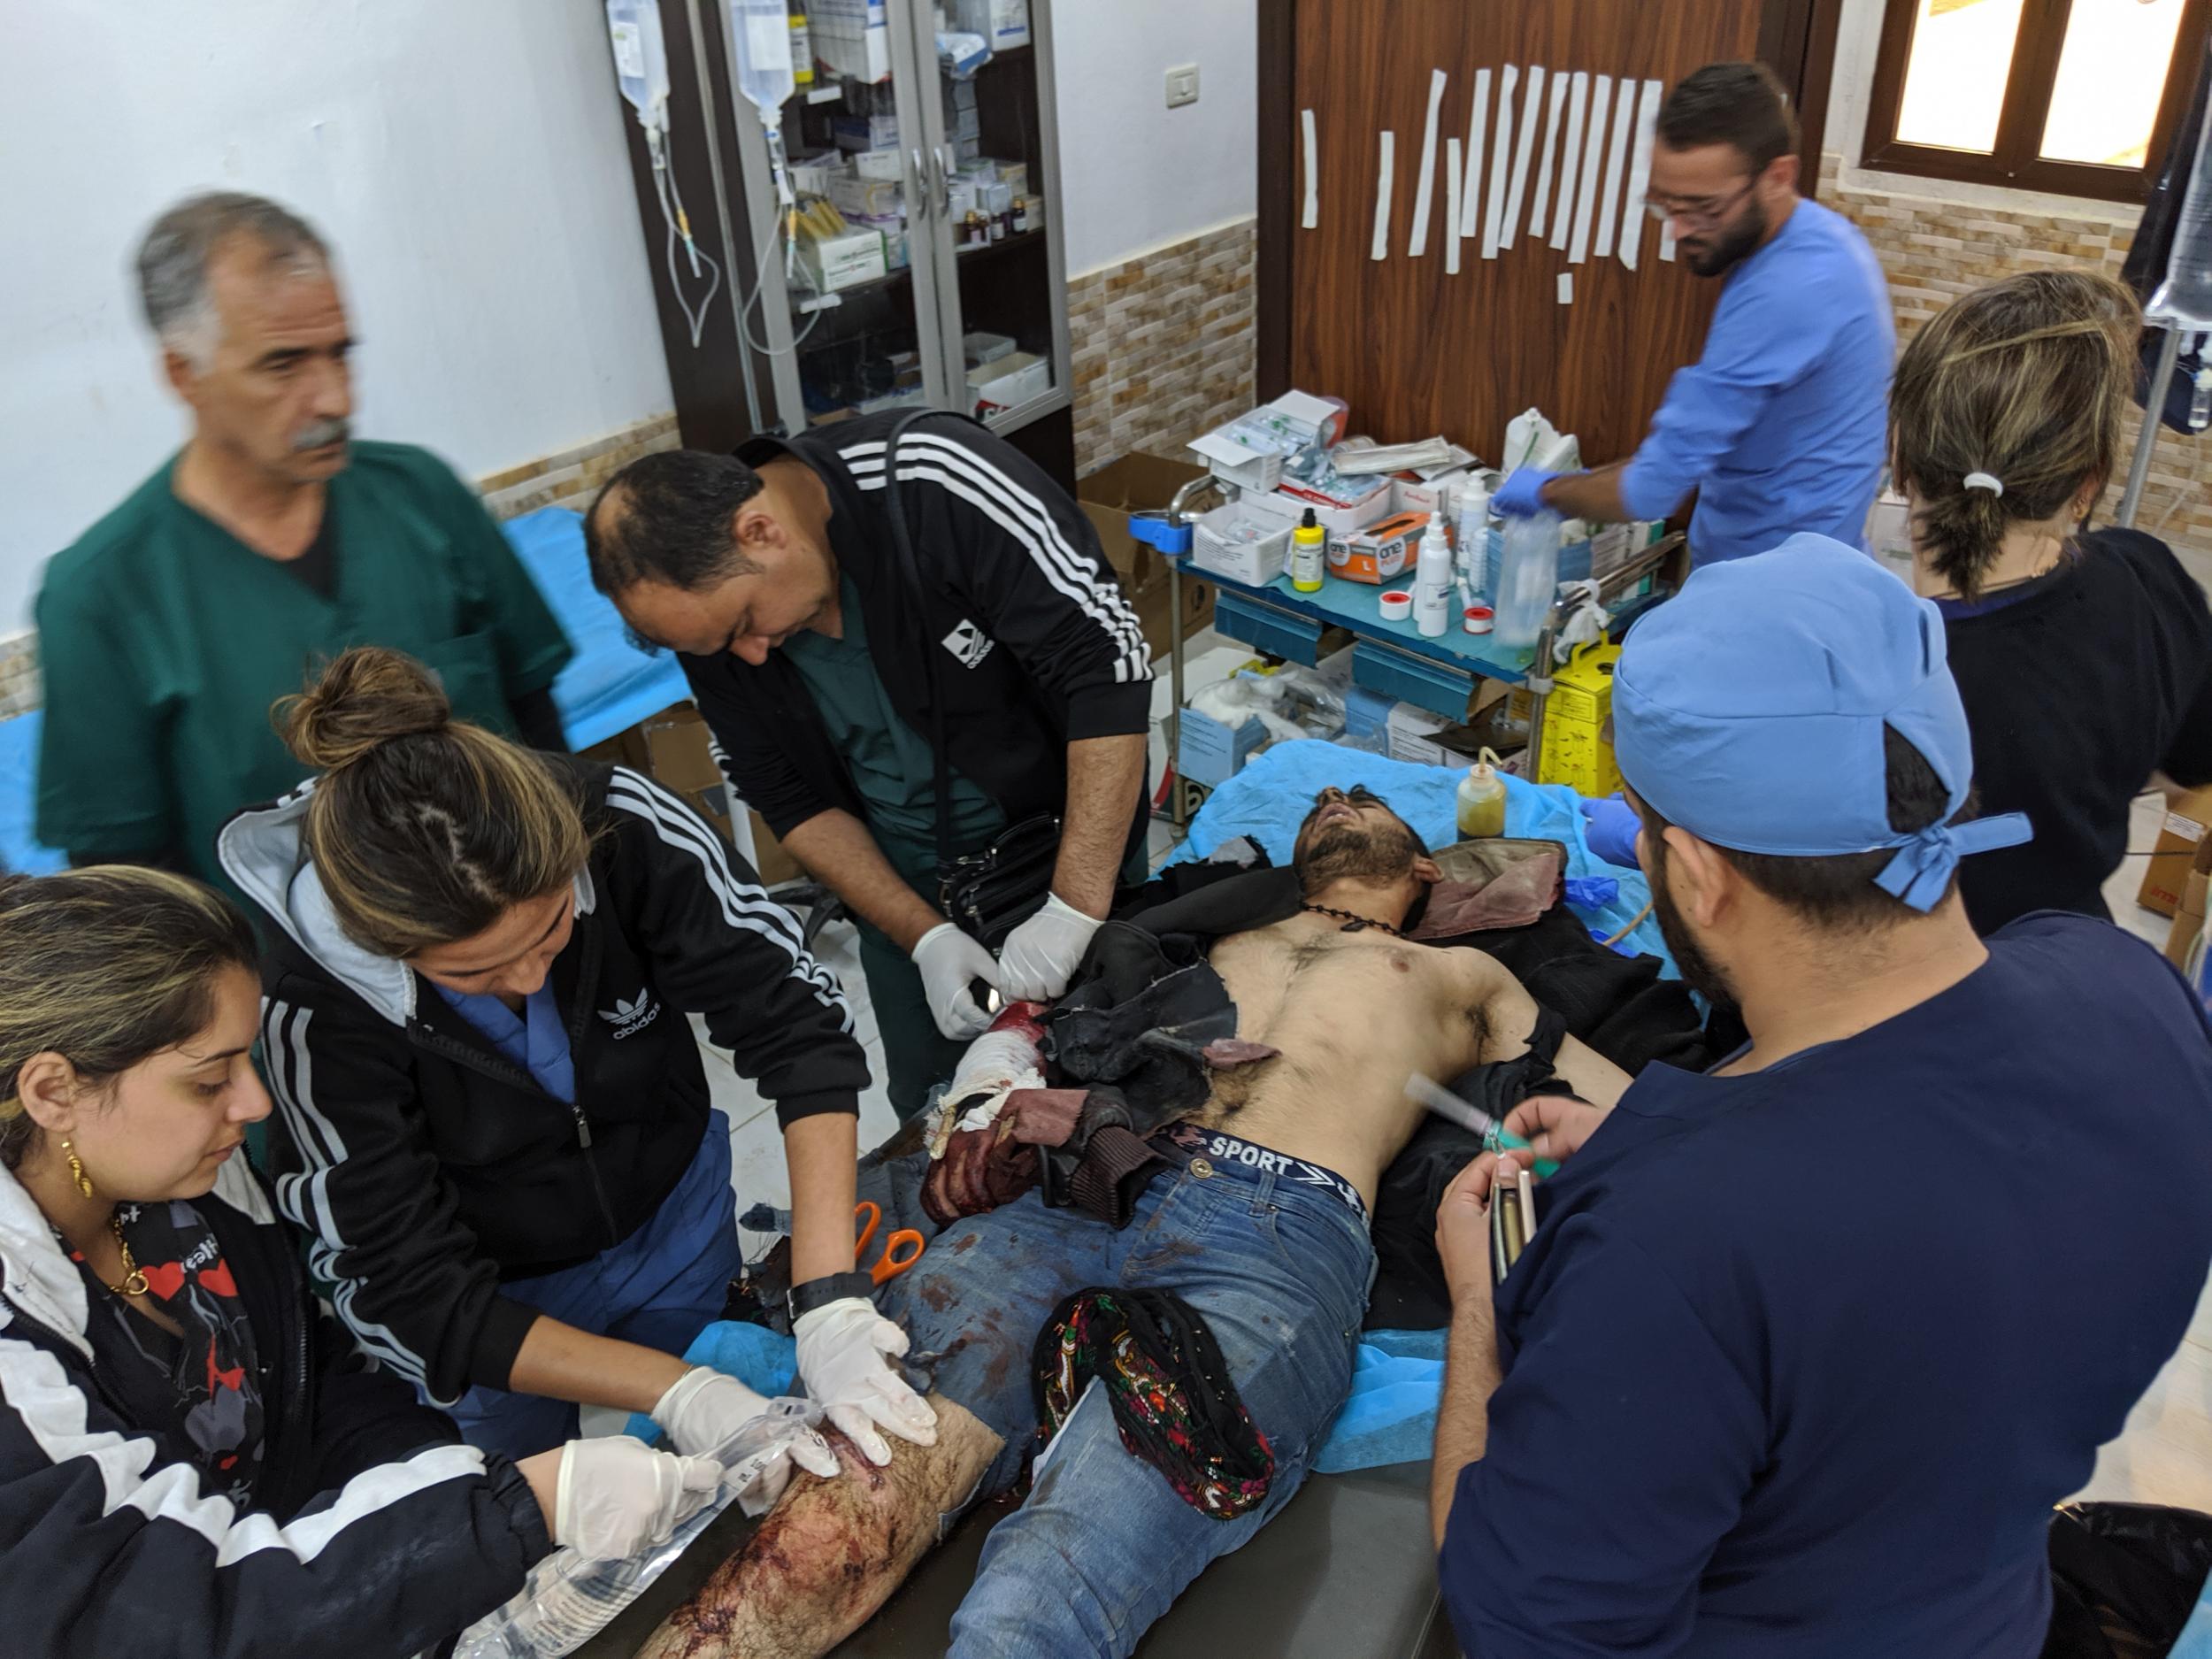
<point>631,1015</point>
<point>969,643</point>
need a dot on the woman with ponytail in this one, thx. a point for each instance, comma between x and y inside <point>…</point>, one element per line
<point>2083,657</point>
<point>193,1458</point>
<point>493,1119</point>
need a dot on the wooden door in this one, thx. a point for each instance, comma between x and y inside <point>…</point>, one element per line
<point>1415,351</point>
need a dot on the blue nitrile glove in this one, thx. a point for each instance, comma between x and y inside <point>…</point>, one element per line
<point>1611,830</point>
<point>1521,495</point>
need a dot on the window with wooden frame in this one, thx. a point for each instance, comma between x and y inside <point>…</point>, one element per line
<point>2077,97</point>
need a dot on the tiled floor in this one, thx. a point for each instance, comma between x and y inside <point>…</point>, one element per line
<point>2165,1456</point>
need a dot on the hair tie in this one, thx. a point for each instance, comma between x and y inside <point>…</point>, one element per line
<point>1986,480</point>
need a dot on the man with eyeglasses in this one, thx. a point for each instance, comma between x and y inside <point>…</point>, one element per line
<point>1780,426</point>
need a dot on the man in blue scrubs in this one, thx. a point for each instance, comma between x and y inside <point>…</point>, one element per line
<point>1779,426</point>
<point>1804,1349</point>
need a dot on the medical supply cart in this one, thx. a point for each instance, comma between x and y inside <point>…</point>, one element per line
<point>1388,656</point>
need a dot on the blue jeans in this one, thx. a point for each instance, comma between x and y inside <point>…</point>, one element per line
<point>659,1288</point>
<point>1278,1269</point>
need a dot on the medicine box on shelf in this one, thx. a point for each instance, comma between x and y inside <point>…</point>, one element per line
<point>1216,546</point>
<point>1211,753</point>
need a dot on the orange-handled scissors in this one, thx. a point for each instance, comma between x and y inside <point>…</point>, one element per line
<point>901,1250</point>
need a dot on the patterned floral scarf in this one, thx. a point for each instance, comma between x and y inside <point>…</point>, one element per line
<point>1171,1396</point>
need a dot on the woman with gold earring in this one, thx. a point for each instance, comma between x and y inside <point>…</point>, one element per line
<point>193,1457</point>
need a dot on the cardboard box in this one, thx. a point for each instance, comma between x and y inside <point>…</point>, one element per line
<point>1425,496</point>
<point>2167,881</point>
<point>1003,24</point>
<point>1293,420</point>
<point>1010,382</point>
<point>845,261</point>
<point>850,48</point>
<point>1410,732</point>
<point>2189,917</point>
<point>1381,553</point>
<point>1210,753</point>
<point>1218,545</point>
<point>674,750</point>
<point>1144,483</point>
<point>866,198</point>
<point>866,132</point>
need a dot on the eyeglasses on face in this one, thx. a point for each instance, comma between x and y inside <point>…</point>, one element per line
<point>1701,214</point>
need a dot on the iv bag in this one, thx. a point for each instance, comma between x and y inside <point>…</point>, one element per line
<point>2184,300</point>
<point>760,34</point>
<point>641,58</point>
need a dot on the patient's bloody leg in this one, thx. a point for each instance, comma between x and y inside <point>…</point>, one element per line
<point>831,1552</point>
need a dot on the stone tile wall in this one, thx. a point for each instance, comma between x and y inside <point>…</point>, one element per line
<point>1164,345</point>
<point>567,479</point>
<point>1934,251</point>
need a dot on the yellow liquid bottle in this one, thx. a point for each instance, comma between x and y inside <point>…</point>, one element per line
<point>1309,555</point>
<point>1481,800</point>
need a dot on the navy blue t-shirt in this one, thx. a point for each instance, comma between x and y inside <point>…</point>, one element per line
<point>1797,1363</point>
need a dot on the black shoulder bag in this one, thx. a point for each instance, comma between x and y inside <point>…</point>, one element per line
<point>991,892</point>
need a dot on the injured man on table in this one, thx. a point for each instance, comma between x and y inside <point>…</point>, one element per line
<point>1163,1381</point>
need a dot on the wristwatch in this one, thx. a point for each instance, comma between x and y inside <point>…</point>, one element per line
<point>819,1292</point>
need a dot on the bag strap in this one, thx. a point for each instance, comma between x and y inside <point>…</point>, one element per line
<point>911,569</point>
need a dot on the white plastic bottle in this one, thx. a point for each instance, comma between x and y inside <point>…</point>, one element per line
<point>1433,586</point>
<point>1474,540</point>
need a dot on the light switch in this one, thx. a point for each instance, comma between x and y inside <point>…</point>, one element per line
<point>1182,86</point>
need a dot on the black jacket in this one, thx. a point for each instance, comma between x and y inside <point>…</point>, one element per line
<point>373,1530</point>
<point>1034,645</point>
<point>428,1169</point>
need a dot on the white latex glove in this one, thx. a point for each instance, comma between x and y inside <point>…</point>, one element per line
<point>1040,954</point>
<point>950,961</point>
<point>704,1409</point>
<point>845,1353</point>
<point>616,1496</point>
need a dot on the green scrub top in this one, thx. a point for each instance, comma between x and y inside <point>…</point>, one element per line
<point>889,761</point>
<point>165,640</point>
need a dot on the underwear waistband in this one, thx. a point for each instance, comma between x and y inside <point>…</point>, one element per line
<point>1232,1152</point>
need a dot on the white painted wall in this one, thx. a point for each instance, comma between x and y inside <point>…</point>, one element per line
<point>464,156</point>
<point>1135,173</point>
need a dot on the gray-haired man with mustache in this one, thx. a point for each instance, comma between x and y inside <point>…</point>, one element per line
<point>271,541</point>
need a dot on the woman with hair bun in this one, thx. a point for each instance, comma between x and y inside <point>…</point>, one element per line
<point>493,1118</point>
<point>2084,659</point>
<point>193,1458</point>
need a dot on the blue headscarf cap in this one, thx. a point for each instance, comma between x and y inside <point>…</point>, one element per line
<point>1749,709</point>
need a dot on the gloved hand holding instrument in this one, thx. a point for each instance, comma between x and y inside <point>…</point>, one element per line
<point>1610,826</point>
<point>704,1411</point>
<point>616,1496</point>
<point>952,966</point>
<point>1041,955</point>
<point>846,1347</point>
<point>1521,495</point>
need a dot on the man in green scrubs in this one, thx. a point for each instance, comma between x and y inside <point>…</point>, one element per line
<point>268,543</point>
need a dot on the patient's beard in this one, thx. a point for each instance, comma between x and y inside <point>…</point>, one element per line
<point>1355,852</point>
<point>1699,972</point>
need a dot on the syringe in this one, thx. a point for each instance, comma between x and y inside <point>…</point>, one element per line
<point>1495,1136</point>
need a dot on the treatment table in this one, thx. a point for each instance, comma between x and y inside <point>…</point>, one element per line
<point>1346,1571</point>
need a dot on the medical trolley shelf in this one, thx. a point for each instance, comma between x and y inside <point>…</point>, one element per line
<point>1392,658</point>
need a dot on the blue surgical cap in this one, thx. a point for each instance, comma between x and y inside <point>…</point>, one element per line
<point>1749,709</point>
